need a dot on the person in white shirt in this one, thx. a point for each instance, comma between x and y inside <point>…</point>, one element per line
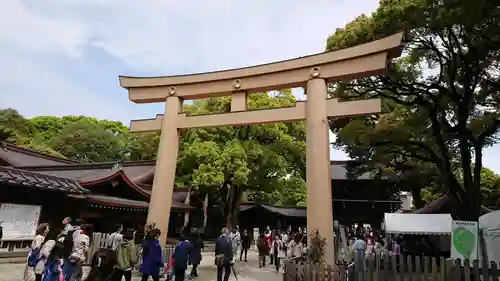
<point>81,244</point>
<point>278,252</point>
<point>295,247</point>
<point>66,225</point>
<point>115,239</point>
<point>359,244</point>
<point>235,239</point>
<point>284,239</point>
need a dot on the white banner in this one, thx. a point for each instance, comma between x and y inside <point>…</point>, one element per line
<point>19,222</point>
<point>464,240</point>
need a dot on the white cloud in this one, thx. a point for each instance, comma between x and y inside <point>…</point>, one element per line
<point>28,29</point>
<point>164,36</point>
<point>34,90</point>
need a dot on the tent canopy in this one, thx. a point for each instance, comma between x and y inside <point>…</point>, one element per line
<point>420,224</point>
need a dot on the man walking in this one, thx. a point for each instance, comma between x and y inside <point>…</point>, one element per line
<point>245,244</point>
<point>223,255</point>
<point>115,239</point>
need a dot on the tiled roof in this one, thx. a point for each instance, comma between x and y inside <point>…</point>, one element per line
<point>285,211</point>
<point>18,156</point>
<point>95,171</point>
<point>138,175</point>
<point>29,179</point>
<point>111,201</point>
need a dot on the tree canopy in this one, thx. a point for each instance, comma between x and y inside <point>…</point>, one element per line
<point>440,99</point>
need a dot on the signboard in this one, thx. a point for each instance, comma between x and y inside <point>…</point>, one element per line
<point>19,222</point>
<point>464,240</point>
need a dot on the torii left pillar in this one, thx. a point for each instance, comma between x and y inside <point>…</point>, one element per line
<point>166,163</point>
<point>319,190</point>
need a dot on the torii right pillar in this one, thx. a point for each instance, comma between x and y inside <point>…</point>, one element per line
<point>319,189</point>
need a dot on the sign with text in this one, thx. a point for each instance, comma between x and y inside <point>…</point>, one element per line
<point>19,222</point>
<point>464,240</point>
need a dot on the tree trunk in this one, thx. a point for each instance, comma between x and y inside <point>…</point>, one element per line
<point>234,193</point>
<point>417,196</point>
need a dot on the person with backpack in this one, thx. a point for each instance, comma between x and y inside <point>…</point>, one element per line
<point>126,257</point>
<point>68,243</point>
<point>34,255</point>
<point>81,243</point>
<point>115,239</point>
<point>45,251</point>
<point>54,262</point>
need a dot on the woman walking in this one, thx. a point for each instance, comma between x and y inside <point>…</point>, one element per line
<point>195,257</point>
<point>277,252</point>
<point>34,256</point>
<point>152,256</point>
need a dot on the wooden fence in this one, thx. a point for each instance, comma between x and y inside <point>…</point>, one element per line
<point>394,268</point>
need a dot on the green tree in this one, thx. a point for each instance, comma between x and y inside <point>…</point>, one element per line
<point>20,131</point>
<point>86,142</point>
<point>440,97</point>
<point>142,146</point>
<point>251,159</point>
<point>490,189</point>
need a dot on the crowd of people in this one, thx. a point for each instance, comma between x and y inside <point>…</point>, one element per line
<point>272,244</point>
<point>60,255</point>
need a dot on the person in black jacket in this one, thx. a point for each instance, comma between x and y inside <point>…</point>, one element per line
<point>195,257</point>
<point>223,255</point>
<point>245,244</point>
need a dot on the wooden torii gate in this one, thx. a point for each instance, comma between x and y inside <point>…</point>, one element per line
<point>311,72</point>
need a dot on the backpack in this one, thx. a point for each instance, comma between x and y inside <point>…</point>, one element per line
<point>34,257</point>
<point>68,244</point>
<point>53,271</point>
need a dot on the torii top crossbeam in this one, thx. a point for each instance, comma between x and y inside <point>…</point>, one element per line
<point>350,63</point>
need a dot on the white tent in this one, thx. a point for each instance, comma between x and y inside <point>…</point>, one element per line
<point>489,224</point>
<point>419,224</point>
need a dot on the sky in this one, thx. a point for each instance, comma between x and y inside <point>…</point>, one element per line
<point>61,57</point>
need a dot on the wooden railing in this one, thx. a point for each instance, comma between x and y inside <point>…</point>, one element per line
<point>394,268</point>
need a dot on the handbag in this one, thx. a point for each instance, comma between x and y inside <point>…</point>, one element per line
<point>219,260</point>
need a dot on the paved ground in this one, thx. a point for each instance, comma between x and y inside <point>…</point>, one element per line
<point>207,271</point>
